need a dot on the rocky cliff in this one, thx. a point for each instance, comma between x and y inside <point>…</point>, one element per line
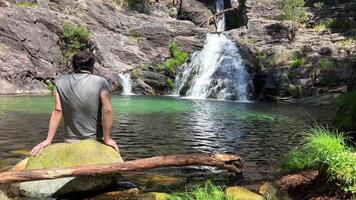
<point>317,67</point>
<point>31,53</point>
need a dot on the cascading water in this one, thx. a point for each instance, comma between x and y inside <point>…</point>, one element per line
<point>219,4</point>
<point>126,83</point>
<point>217,71</point>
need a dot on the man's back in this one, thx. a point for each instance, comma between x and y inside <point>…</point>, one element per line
<point>81,104</point>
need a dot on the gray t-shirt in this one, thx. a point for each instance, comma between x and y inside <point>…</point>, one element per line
<point>81,105</point>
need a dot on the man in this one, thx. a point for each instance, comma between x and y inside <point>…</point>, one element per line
<point>81,98</point>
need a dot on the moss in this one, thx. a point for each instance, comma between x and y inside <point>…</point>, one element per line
<point>86,152</point>
<point>297,62</point>
<point>74,39</point>
<point>26,4</point>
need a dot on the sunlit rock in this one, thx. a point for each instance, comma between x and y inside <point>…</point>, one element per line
<point>87,152</point>
<point>241,193</point>
<point>119,195</point>
<point>155,196</point>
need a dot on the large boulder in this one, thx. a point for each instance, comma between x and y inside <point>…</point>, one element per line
<point>86,152</point>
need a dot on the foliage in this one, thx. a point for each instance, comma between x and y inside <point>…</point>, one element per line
<point>261,56</point>
<point>294,11</point>
<point>26,4</point>
<point>336,25</point>
<point>318,5</point>
<point>74,39</point>
<point>177,58</point>
<point>297,62</point>
<point>346,111</point>
<point>170,83</point>
<point>209,192</point>
<point>325,150</point>
<point>325,63</point>
<point>347,42</point>
<point>320,27</point>
<point>51,86</point>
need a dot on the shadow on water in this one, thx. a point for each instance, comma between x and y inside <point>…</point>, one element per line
<point>151,126</point>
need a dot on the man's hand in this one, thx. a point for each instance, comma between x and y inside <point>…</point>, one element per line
<point>37,150</point>
<point>112,143</point>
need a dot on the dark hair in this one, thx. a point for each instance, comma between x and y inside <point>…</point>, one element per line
<point>83,60</point>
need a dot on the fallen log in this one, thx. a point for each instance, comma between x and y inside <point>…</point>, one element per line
<point>217,14</point>
<point>231,163</point>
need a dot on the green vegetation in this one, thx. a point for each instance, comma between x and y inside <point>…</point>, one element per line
<point>177,58</point>
<point>297,62</point>
<point>294,11</point>
<point>51,86</point>
<point>318,5</point>
<point>336,25</point>
<point>26,4</point>
<point>347,42</point>
<point>346,111</point>
<point>325,63</point>
<point>208,192</point>
<point>261,56</point>
<point>170,83</point>
<point>320,27</point>
<point>326,151</point>
<point>74,39</point>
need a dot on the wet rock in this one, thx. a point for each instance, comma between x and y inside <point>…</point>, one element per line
<point>155,196</point>
<point>87,152</point>
<point>128,194</point>
<point>325,51</point>
<point>241,194</point>
<point>195,12</point>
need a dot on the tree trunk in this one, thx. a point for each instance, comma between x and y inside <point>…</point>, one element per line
<point>216,15</point>
<point>232,163</point>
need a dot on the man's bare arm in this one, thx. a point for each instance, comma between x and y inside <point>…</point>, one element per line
<point>108,116</point>
<point>53,126</point>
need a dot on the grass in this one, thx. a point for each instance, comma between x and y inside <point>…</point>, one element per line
<point>320,27</point>
<point>208,192</point>
<point>74,39</point>
<point>318,5</point>
<point>347,42</point>
<point>297,62</point>
<point>346,111</point>
<point>25,4</point>
<point>325,63</point>
<point>326,151</point>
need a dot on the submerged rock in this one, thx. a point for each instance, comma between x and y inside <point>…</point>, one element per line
<point>119,195</point>
<point>86,152</point>
<point>241,193</point>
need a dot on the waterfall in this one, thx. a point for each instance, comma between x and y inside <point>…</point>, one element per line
<point>126,83</point>
<point>217,71</point>
<point>219,4</point>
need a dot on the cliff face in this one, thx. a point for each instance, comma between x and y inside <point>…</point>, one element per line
<point>31,52</point>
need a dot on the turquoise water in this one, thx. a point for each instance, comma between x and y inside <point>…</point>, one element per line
<point>148,126</point>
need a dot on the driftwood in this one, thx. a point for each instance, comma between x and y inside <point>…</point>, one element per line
<point>216,15</point>
<point>232,163</point>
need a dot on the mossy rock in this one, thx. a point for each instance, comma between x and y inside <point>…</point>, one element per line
<point>86,152</point>
<point>240,193</point>
<point>155,196</point>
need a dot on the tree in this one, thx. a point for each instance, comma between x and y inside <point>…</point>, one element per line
<point>295,12</point>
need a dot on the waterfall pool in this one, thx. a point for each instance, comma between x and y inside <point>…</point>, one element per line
<point>148,126</point>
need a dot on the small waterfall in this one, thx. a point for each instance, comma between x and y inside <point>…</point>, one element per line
<point>217,71</point>
<point>126,83</point>
<point>219,4</point>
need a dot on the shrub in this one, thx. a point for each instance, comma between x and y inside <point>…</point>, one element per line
<point>347,42</point>
<point>177,58</point>
<point>26,4</point>
<point>170,83</point>
<point>294,11</point>
<point>326,151</point>
<point>209,192</point>
<point>74,39</point>
<point>320,27</point>
<point>318,5</point>
<point>297,62</point>
<point>346,111</point>
<point>51,86</point>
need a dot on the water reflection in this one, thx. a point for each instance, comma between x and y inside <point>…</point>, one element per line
<point>150,126</point>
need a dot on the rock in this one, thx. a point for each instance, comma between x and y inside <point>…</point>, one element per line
<point>3,196</point>
<point>325,51</point>
<point>128,194</point>
<point>195,11</point>
<point>241,193</point>
<point>268,189</point>
<point>86,152</point>
<point>155,196</point>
